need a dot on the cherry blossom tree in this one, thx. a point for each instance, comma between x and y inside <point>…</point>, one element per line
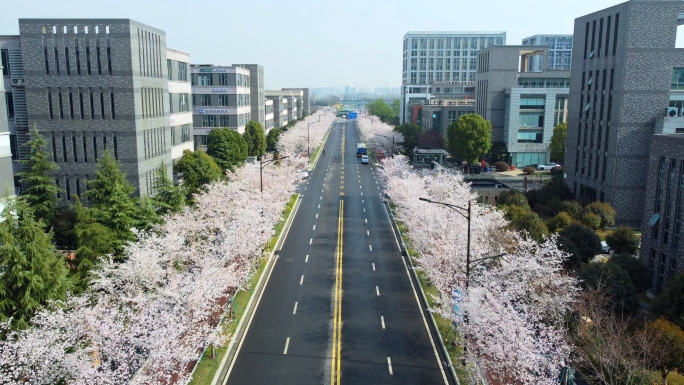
<point>295,140</point>
<point>377,134</point>
<point>146,320</point>
<point>515,305</point>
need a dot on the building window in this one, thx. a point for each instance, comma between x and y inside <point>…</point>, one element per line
<point>4,53</point>
<point>14,147</point>
<point>71,102</point>
<point>111,102</point>
<point>530,136</point>
<point>223,100</point>
<point>451,116</point>
<point>102,105</point>
<point>531,120</point>
<point>183,71</point>
<point>185,133</point>
<point>677,79</point>
<point>59,102</point>
<point>209,121</point>
<point>168,69</point>
<point>205,100</point>
<point>532,103</point>
<point>222,79</point>
<point>201,140</point>
<point>204,80</point>
<point>183,105</point>
<point>9,105</point>
<point>679,215</point>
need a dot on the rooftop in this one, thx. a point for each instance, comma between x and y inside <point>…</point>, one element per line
<point>465,33</point>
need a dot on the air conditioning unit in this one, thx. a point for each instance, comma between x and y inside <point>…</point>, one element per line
<point>17,82</point>
<point>672,112</point>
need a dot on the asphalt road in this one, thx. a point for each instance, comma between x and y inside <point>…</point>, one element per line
<point>339,306</point>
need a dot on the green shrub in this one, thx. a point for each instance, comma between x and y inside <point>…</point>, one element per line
<point>522,219</point>
<point>670,302</point>
<point>616,283</point>
<point>561,221</point>
<point>513,197</point>
<point>558,170</point>
<point>573,208</point>
<point>623,241</point>
<point>555,204</point>
<point>604,211</point>
<point>554,188</point>
<point>639,274</point>
<point>583,242</point>
<point>529,170</point>
<point>501,166</point>
<point>591,220</point>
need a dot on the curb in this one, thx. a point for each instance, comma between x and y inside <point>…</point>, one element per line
<point>231,353</point>
<point>312,166</point>
<point>444,354</point>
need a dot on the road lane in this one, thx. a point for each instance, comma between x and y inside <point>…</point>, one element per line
<point>334,280</point>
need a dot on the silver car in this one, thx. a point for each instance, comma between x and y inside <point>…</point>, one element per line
<point>547,166</point>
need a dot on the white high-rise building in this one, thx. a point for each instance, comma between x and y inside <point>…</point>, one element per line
<point>560,52</point>
<point>439,58</point>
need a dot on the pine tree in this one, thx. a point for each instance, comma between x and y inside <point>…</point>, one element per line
<point>146,216</point>
<point>112,194</point>
<point>169,197</point>
<point>41,192</point>
<point>33,273</point>
<point>93,241</point>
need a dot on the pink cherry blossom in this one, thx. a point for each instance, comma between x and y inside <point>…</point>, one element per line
<point>146,320</point>
<point>515,305</point>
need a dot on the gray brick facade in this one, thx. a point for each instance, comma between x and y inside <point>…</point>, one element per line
<point>96,85</point>
<point>622,65</point>
<point>662,224</point>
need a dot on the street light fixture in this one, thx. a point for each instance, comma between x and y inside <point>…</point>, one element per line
<point>467,214</point>
<point>393,150</point>
<point>263,164</point>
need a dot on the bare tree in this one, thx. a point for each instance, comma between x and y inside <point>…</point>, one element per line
<point>613,348</point>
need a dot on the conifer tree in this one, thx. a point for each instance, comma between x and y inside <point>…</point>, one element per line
<point>111,195</point>
<point>169,197</point>
<point>33,273</point>
<point>146,216</point>
<point>93,241</point>
<point>41,191</point>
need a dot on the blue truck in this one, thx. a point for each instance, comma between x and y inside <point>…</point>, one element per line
<point>361,149</point>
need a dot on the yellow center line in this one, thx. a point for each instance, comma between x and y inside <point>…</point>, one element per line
<point>337,316</point>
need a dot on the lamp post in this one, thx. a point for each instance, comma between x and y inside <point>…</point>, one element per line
<point>392,143</point>
<point>308,142</point>
<point>263,164</point>
<point>467,214</point>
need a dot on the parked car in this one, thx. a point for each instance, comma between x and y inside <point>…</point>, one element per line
<point>547,166</point>
<point>305,175</point>
<point>605,248</point>
<point>364,159</point>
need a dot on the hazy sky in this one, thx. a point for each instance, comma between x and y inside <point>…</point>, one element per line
<point>313,43</point>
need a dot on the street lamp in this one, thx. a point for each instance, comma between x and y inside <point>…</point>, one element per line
<point>392,142</point>
<point>308,142</point>
<point>467,214</point>
<point>263,164</point>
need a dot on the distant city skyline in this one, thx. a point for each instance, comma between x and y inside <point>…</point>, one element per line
<point>313,43</point>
